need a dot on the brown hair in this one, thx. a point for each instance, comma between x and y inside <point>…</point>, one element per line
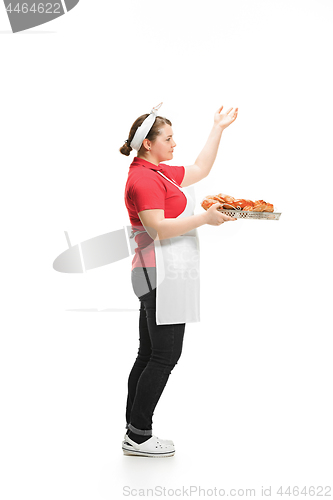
<point>153,133</point>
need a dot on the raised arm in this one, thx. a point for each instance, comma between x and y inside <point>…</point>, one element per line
<point>204,162</point>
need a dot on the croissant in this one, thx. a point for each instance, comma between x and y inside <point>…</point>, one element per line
<point>228,202</point>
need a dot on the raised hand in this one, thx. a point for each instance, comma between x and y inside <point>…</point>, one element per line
<point>223,120</point>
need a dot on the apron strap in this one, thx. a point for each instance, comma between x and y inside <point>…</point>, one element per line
<point>170,180</point>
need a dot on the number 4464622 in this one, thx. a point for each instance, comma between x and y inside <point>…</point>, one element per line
<point>35,7</point>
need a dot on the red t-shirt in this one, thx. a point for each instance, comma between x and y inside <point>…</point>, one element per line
<point>146,189</point>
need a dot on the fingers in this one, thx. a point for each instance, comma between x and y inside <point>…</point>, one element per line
<point>235,111</point>
<point>227,217</point>
<point>227,112</point>
<point>234,116</point>
<point>225,220</point>
<point>215,205</point>
<point>223,217</point>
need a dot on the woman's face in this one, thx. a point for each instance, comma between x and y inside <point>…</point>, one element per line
<point>162,148</point>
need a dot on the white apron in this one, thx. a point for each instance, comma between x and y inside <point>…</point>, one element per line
<point>178,272</point>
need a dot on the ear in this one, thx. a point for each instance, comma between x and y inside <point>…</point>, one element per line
<point>146,144</point>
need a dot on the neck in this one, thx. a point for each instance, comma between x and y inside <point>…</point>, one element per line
<point>150,158</point>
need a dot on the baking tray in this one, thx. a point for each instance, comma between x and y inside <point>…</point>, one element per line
<point>241,214</point>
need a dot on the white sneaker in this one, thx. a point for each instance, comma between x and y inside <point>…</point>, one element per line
<point>153,447</point>
<point>166,441</point>
<point>162,441</point>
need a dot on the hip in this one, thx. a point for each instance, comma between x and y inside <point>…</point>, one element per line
<point>143,280</point>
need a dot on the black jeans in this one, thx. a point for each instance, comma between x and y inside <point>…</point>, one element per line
<point>160,347</point>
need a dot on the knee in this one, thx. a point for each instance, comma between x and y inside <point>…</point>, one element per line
<point>143,358</point>
<point>176,355</point>
<point>166,359</point>
<point>174,361</point>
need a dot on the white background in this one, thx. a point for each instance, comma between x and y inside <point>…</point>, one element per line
<point>250,402</point>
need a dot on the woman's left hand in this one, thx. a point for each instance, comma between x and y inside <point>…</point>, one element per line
<point>223,120</point>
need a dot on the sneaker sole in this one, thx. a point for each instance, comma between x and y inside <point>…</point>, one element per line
<point>136,453</point>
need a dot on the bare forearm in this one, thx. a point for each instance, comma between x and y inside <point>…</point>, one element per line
<point>169,228</point>
<point>207,156</point>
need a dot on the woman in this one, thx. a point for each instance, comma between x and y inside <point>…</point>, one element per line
<point>165,268</point>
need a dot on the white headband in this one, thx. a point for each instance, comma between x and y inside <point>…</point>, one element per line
<point>142,131</point>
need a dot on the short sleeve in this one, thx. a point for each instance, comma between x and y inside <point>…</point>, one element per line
<point>148,194</point>
<point>177,173</point>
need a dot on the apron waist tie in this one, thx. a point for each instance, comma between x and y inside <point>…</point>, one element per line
<point>134,233</point>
